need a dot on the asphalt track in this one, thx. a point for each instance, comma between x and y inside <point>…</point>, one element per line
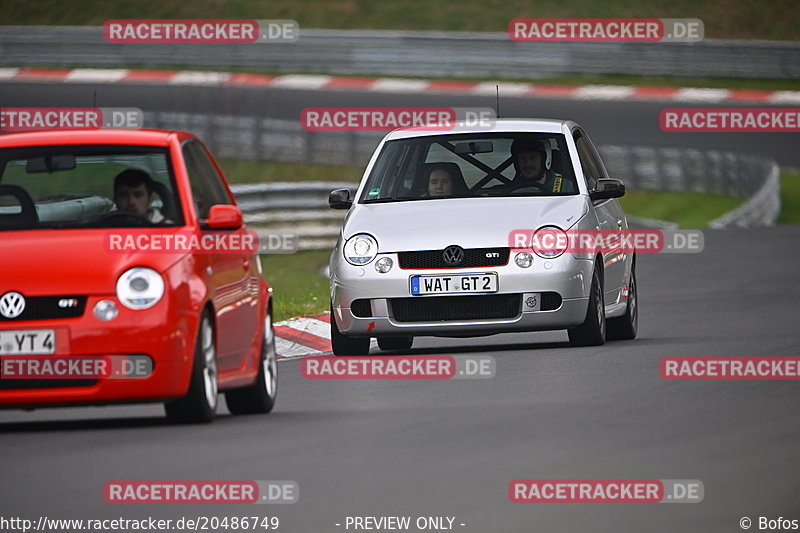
<point>607,122</point>
<point>450,448</point>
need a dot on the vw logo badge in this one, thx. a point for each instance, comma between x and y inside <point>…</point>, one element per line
<point>453,255</point>
<point>12,304</point>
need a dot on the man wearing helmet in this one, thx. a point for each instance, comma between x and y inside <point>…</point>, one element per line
<point>530,164</point>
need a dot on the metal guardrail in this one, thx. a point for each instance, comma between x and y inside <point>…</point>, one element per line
<point>409,53</point>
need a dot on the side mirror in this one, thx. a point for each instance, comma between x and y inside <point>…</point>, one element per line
<point>340,199</point>
<point>607,188</point>
<point>224,217</point>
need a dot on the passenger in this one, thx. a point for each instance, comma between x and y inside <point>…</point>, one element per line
<point>444,179</point>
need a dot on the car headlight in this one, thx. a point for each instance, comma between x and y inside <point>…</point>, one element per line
<point>140,288</point>
<point>384,264</point>
<point>361,249</point>
<point>549,242</point>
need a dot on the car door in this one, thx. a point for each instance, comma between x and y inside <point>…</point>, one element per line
<point>230,273</point>
<point>610,216</point>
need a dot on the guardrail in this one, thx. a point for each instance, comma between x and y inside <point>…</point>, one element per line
<point>409,53</point>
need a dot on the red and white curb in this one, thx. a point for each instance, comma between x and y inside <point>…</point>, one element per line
<point>303,336</point>
<point>392,85</point>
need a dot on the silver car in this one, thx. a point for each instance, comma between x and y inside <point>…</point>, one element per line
<point>429,246</point>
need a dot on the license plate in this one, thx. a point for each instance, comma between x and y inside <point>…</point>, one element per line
<point>27,341</point>
<point>455,284</point>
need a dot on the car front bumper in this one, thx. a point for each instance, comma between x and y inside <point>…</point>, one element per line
<point>567,276</point>
<point>166,337</point>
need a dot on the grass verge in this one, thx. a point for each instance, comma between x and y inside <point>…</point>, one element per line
<point>299,288</point>
<point>240,171</point>
<point>727,19</point>
<point>687,209</point>
<point>790,197</point>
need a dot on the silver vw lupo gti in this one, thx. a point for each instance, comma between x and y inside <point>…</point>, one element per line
<point>430,245</point>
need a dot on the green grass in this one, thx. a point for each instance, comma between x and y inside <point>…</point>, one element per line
<point>687,209</point>
<point>241,171</point>
<point>790,197</point>
<point>774,19</point>
<point>299,289</point>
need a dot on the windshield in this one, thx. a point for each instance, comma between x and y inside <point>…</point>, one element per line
<point>474,165</point>
<point>86,186</point>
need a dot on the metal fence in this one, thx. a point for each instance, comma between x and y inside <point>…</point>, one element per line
<point>409,53</point>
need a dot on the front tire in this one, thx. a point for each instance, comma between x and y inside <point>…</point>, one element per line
<point>345,345</point>
<point>200,403</point>
<point>260,396</point>
<point>593,330</point>
<point>625,327</point>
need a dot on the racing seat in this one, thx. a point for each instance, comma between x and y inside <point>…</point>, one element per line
<point>26,217</point>
<point>167,201</point>
<point>421,183</point>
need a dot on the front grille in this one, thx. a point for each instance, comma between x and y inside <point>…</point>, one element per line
<point>361,308</point>
<point>23,384</point>
<point>473,257</point>
<point>48,308</point>
<point>550,301</point>
<point>452,308</point>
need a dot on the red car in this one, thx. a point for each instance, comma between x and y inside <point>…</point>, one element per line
<point>126,248</point>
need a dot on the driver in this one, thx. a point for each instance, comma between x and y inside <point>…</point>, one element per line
<point>133,193</point>
<point>529,158</point>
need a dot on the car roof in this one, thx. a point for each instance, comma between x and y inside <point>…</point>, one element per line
<point>142,137</point>
<point>499,125</point>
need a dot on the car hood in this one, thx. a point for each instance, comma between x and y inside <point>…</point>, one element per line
<point>467,222</point>
<point>68,262</point>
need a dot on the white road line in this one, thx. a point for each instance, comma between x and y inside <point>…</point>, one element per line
<point>300,81</point>
<point>603,92</point>
<point>784,97</point>
<point>388,85</point>
<point>690,94</point>
<point>195,77</point>
<point>96,75</point>
<point>8,73</point>
<point>488,88</point>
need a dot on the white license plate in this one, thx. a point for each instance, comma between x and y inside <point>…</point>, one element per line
<point>27,341</point>
<point>455,284</point>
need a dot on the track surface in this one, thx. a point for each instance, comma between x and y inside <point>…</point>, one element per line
<point>451,448</point>
<point>611,122</point>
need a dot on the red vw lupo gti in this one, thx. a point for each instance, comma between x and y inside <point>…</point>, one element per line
<point>125,247</point>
